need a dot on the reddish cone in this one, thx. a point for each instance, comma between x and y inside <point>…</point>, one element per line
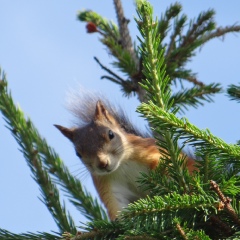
<point>91,27</point>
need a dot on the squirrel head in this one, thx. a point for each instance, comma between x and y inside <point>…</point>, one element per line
<point>101,144</point>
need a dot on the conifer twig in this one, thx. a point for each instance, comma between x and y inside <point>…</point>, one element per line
<point>126,40</point>
<point>177,30</point>
<point>25,135</point>
<point>220,32</point>
<point>226,201</point>
<point>127,85</point>
<point>194,81</point>
<point>184,128</point>
<point>144,237</point>
<point>6,235</point>
<point>170,13</point>
<point>221,225</point>
<point>181,231</point>
<point>194,96</point>
<point>118,79</point>
<point>234,92</point>
<point>36,148</point>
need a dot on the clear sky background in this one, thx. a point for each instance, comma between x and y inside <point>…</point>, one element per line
<point>45,52</point>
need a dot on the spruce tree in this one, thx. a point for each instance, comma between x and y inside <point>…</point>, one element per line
<point>204,205</point>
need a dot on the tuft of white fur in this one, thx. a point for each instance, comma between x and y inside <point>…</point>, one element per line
<point>124,185</point>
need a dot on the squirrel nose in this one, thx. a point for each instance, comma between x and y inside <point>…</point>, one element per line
<point>103,165</point>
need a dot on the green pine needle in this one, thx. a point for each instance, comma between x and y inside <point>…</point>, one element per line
<point>185,130</point>
<point>6,235</point>
<point>194,96</point>
<point>43,160</point>
<point>234,92</point>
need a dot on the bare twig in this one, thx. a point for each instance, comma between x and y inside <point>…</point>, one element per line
<point>139,238</point>
<point>221,32</point>
<point>226,201</point>
<point>181,231</point>
<point>194,81</point>
<point>119,79</point>
<point>221,225</point>
<point>127,85</point>
<point>126,40</point>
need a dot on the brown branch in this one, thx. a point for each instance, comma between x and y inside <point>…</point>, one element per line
<point>125,40</point>
<point>221,225</point>
<point>181,231</point>
<point>194,31</point>
<point>177,31</point>
<point>139,238</point>
<point>226,201</point>
<point>221,32</point>
<point>171,44</point>
<point>119,79</point>
<point>127,85</point>
<point>86,235</point>
<point>194,81</point>
<point>94,234</point>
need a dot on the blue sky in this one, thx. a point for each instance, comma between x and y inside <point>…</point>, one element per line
<point>45,52</point>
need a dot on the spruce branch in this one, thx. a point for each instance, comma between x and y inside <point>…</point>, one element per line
<point>143,218</point>
<point>181,231</point>
<point>157,88</point>
<point>197,235</point>
<point>226,201</point>
<point>203,23</point>
<point>157,183</point>
<point>164,23</point>
<point>127,86</point>
<point>206,163</point>
<point>126,62</point>
<point>194,96</point>
<point>38,153</point>
<point>187,44</point>
<point>142,237</point>
<point>234,92</point>
<point>187,233</point>
<point>125,40</point>
<point>157,214</point>
<point>6,235</point>
<point>99,230</point>
<point>117,78</point>
<point>184,129</point>
<point>119,46</point>
<point>180,49</point>
<point>194,80</point>
<point>107,28</point>
<point>26,135</point>
<point>178,27</point>
<point>169,202</point>
<point>223,226</point>
<point>220,32</point>
<point>154,67</point>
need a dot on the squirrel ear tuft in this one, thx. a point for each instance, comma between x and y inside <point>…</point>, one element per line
<point>65,131</point>
<point>100,112</point>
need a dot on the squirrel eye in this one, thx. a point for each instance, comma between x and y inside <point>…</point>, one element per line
<point>110,135</point>
<point>78,154</point>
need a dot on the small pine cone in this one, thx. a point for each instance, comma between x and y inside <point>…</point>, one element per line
<point>91,27</point>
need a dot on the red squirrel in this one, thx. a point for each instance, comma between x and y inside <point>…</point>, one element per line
<point>114,153</point>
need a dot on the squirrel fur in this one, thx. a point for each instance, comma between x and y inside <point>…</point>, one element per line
<point>113,151</point>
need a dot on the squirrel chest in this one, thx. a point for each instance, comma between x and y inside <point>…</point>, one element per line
<point>124,185</point>
<point>121,187</point>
